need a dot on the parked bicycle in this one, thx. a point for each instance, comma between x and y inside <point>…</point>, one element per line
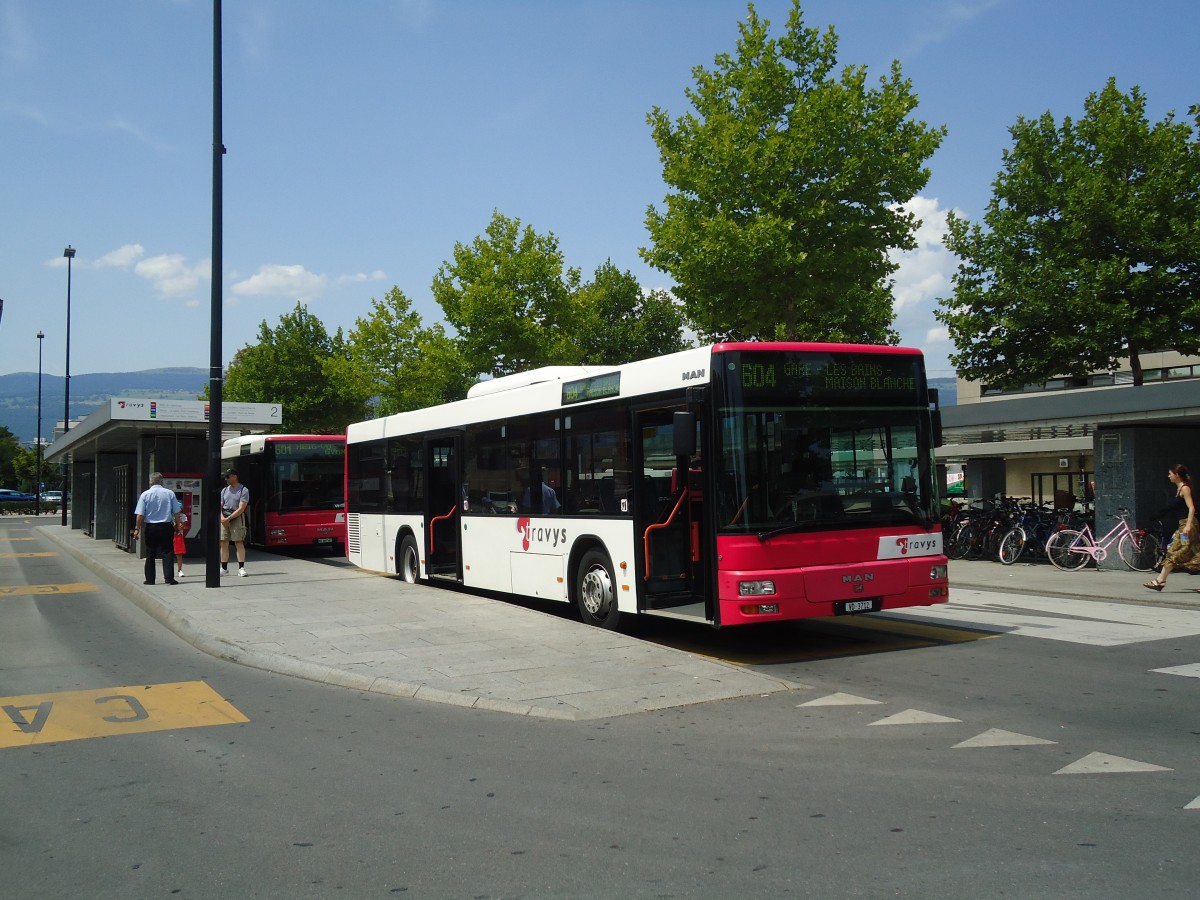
<point>1029,535</point>
<point>1070,549</point>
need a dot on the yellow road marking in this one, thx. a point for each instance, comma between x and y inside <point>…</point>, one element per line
<point>27,555</point>
<point>22,539</point>
<point>75,715</point>
<point>15,590</point>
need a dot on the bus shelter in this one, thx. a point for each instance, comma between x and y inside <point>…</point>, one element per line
<point>109,456</point>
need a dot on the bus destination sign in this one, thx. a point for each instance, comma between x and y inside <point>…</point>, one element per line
<point>308,449</point>
<point>820,377</point>
<point>596,387</point>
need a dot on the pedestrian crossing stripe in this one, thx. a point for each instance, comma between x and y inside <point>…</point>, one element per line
<point>996,737</point>
<point>50,718</point>
<point>915,717</point>
<point>1191,670</point>
<point>1104,763</point>
<point>20,590</point>
<point>840,700</point>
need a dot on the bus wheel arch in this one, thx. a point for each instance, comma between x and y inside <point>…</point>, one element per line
<point>594,585</point>
<point>408,557</point>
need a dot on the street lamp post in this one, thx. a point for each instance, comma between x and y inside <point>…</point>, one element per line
<point>69,253</point>
<point>37,504</point>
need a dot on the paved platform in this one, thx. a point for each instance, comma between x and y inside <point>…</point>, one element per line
<point>326,621</point>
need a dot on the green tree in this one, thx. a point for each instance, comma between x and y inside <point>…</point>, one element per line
<point>506,294</point>
<point>615,322</point>
<point>398,364</point>
<point>25,469</point>
<point>10,450</point>
<point>787,190</point>
<point>297,364</point>
<point>1091,251</point>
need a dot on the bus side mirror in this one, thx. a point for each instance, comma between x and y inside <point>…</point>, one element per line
<point>684,434</point>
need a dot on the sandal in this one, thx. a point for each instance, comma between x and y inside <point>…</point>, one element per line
<point>1155,585</point>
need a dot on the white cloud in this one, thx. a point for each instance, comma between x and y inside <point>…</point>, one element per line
<point>171,274</point>
<point>924,276</point>
<point>121,258</point>
<point>282,281</point>
<point>377,275</point>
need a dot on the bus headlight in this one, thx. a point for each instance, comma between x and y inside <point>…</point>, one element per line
<point>939,573</point>
<point>756,588</point>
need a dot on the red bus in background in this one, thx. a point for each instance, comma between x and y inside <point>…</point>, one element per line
<point>731,484</point>
<point>297,488</point>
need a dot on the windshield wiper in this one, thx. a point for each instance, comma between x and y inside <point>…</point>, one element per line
<point>765,536</point>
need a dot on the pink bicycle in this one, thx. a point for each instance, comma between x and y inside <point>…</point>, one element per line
<point>1069,549</point>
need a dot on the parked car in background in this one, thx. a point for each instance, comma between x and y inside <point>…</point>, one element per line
<point>52,496</point>
<point>7,496</point>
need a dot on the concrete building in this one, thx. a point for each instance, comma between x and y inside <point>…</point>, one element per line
<point>1098,434</point>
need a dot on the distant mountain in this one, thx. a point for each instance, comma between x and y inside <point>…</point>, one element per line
<point>19,394</point>
<point>947,389</point>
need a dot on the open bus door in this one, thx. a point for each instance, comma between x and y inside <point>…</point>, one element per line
<point>669,514</point>
<point>443,506</point>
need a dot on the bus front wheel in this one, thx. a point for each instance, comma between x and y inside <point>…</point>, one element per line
<point>409,560</point>
<point>596,590</point>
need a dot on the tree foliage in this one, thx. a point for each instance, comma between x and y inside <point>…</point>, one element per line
<point>516,307</point>
<point>398,364</point>
<point>615,322</point>
<point>298,364</point>
<point>10,452</point>
<point>1091,248</point>
<point>788,183</point>
<point>506,294</point>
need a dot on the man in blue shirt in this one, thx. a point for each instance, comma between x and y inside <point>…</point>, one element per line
<point>157,511</point>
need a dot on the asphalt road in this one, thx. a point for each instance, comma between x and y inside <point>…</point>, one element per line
<point>930,759</point>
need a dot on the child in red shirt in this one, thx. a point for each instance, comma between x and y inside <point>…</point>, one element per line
<point>181,528</point>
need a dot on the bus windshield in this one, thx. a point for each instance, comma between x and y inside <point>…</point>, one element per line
<point>818,441</point>
<point>306,476</point>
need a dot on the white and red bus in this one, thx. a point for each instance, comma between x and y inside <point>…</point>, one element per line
<point>297,488</point>
<point>729,484</point>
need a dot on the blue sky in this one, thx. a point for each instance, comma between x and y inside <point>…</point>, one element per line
<point>366,137</point>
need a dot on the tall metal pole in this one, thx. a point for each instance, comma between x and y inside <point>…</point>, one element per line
<point>37,504</point>
<point>212,492</point>
<point>69,253</point>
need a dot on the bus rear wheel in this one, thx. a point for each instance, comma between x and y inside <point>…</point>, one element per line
<point>408,561</point>
<point>596,590</point>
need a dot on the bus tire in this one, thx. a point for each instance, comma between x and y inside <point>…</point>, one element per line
<point>596,590</point>
<point>408,560</point>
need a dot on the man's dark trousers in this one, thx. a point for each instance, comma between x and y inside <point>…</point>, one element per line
<point>160,541</point>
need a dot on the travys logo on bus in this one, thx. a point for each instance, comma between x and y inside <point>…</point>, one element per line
<point>539,534</point>
<point>899,546</point>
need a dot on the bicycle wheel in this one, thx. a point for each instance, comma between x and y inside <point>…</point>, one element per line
<point>953,550</point>
<point>1139,552</point>
<point>961,541</point>
<point>1066,549</point>
<point>1012,545</point>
